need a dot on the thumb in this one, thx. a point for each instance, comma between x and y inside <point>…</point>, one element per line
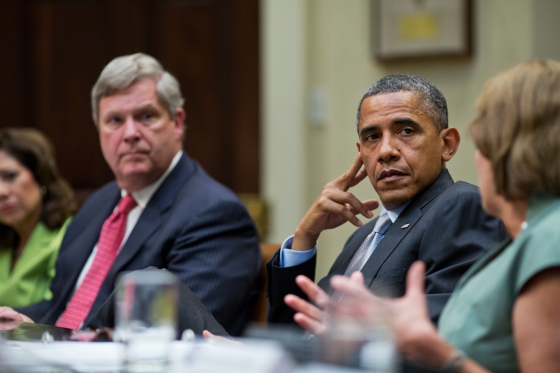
<point>415,279</point>
<point>357,278</point>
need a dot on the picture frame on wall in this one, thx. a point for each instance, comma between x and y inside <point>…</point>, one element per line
<point>414,29</point>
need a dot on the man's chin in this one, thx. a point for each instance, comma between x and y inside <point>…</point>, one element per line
<point>134,178</point>
<point>394,198</point>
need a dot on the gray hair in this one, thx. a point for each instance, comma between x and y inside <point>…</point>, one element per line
<point>124,71</point>
<point>432,100</point>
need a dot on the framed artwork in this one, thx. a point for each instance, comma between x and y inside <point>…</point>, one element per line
<point>410,29</point>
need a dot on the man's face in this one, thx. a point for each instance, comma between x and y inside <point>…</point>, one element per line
<point>399,145</point>
<point>138,138</point>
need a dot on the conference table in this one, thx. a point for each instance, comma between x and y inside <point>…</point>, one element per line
<point>42,348</point>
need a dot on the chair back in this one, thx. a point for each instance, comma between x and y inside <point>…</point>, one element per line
<point>261,304</point>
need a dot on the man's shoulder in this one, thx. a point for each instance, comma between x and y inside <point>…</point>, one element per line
<point>201,187</point>
<point>462,189</point>
<point>461,203</point>
<point>102,196</point>
<point>455,197</point>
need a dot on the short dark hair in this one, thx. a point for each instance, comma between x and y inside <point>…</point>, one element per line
<point>517,128</point>
<point>432,100</point>
<point>32,149</point>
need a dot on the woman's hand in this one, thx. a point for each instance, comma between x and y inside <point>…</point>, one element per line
<point>416,336</point>
<point>309,316</point>
<point>10,319</point>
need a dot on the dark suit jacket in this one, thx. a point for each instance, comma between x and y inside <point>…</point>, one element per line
<point>447,229</point>
<point>192,226</point>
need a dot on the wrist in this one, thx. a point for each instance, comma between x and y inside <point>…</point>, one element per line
<point>303,241</point>
<point>455,362</point>
<point>434,350</point>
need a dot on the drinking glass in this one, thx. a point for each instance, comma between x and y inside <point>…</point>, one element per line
<point>146,318</point>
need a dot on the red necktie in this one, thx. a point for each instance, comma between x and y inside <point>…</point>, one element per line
<point>110,239</point>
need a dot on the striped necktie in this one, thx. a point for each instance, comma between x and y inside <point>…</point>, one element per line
<point>368,246</point>
<point>110,240</point>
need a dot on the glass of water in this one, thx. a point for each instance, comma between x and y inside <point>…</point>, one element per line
<point>146,318</point>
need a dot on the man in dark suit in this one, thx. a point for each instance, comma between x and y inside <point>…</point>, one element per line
<point>404,143</point>
<point>178,218</point>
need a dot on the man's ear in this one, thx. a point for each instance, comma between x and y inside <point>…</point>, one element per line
<point>358,146</point>
<point>451,139</point>
<point>179,121</point>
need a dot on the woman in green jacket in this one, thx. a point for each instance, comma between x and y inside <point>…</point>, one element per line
<point>36,205</point>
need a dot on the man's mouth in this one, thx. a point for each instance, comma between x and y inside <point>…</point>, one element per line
<point>134,153</point>
<point>390,175</point>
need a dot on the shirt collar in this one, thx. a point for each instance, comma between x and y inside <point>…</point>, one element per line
<point>394,213</point>
<point>143,196</point>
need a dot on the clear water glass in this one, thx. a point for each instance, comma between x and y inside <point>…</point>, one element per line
<point>146,318</point>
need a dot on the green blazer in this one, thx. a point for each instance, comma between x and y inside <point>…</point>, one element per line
<point>29,281</point>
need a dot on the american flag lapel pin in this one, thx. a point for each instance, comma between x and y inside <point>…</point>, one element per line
<point>405,226</point>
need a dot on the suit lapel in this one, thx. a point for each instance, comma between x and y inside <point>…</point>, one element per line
<point>151,218</point>
<point>389,243</point>
<point>404,224</point>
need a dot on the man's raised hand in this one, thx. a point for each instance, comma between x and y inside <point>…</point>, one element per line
<point>334,206</point>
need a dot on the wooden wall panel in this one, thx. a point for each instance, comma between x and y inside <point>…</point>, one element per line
<point>11,70</point>
<point>55,49</point>
<point>67,58</point>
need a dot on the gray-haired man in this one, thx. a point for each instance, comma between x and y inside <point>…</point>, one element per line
<point>162,210</point>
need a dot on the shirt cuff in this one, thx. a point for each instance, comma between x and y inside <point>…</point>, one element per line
<point>291,258</point>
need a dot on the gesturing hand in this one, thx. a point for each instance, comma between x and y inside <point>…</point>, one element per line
<point>312,316</point>
<point>308,316</point>
<point>334,206</point>
<point>416,336</point>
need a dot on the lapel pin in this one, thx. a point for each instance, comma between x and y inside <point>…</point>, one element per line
<point>405,226</point>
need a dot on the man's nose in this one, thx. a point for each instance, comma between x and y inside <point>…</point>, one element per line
<point>388,149</point>
<point>131,130</point>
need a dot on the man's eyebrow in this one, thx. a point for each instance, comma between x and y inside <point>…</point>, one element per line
<point>370,128</point>
<point>142,108</point>
<point>137,110</point>
<point>110,114</point>
<point>395,122</point>
<point>401,121</point>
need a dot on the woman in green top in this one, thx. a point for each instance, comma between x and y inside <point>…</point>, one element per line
<point>35,208</point>
<point>504,315</point>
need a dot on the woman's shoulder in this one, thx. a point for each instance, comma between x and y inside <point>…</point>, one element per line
<point>537,247</point>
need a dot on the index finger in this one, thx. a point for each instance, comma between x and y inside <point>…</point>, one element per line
<point>348,179</point>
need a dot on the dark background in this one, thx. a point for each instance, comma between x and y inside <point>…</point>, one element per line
<point>52,52</point>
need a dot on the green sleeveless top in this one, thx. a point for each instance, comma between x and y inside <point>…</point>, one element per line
<point>478,317</point>
<point>29,281</point>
